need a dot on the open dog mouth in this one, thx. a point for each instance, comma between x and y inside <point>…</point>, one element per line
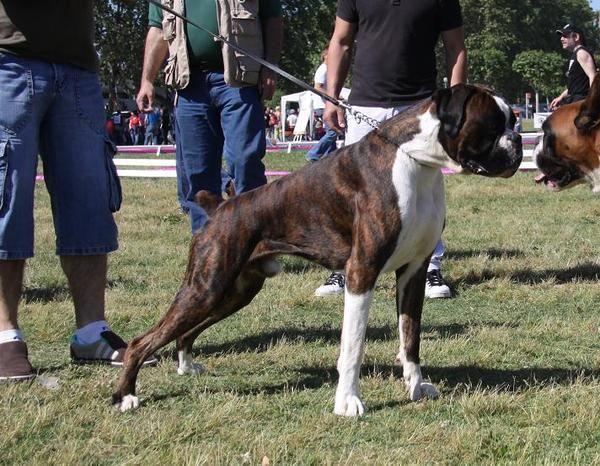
<point>551,183</point>
<point>557,182</point>
<point>474,167</point>
<point>478,169</point>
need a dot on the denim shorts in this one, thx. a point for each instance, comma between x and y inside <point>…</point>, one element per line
<point>55,111</point>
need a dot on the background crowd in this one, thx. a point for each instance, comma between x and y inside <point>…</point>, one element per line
<point>150,127</point>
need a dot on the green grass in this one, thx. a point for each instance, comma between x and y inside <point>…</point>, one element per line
<point>515,354</point>
<point>528,126</point>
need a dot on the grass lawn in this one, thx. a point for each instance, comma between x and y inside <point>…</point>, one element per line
<point>515,354</point>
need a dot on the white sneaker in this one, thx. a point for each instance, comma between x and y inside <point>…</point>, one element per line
<point>333,285</point>
<point>435,286</point>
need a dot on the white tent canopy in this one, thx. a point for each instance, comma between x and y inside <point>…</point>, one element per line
<point>308,102</point>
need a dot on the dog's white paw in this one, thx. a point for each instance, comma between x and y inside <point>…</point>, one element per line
<point>350,405</point>
<point>128,402</point>
<point>187,366</point>
<point>420,390</point>
<point>190,369</point>
<point>417,389</point>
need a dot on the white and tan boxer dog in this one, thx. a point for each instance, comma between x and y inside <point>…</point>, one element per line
<point>375,206</point>
<point>569,153</point>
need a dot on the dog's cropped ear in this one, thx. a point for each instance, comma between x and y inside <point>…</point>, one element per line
<point>450,104</point>
<point>589,113</point>
<point>208,201</point>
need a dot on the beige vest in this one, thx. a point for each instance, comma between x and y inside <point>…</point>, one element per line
<point>238,22</point>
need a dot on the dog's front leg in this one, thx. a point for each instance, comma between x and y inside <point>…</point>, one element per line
<point>356,315</point>
<point>409,301</point>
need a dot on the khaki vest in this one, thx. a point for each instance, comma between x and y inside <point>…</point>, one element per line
<point>238,22</point>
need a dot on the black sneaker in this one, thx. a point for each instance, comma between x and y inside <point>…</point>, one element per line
<point>333,285</point>
<point>436,287</point>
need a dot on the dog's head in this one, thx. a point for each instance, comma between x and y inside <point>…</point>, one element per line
<point>477,130</point>
<point>569,152</point>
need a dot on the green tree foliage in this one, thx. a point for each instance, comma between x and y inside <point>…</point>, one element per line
<point>541,70</point>
<point>496,32</point>
<point>308,25</point>
<point>499,30</point>
<point>120,34</point>
<point>121,29</point>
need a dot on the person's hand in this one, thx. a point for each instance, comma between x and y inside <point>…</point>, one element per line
<point>335,117</point>
<point>555,103</point>
<point>145,97</point>
<point>266,83</point>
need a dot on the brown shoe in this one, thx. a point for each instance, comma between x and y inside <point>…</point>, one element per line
<point>14,365</point>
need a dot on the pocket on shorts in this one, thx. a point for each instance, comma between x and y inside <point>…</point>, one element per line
<point>16,93</point>
<point>115,193</point>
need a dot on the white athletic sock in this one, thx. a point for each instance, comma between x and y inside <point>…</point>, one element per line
<point>10,335</point>
<point>90,333</point>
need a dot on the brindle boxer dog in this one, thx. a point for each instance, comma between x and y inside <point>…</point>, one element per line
<point>373,207</point>
<point>569,153</point>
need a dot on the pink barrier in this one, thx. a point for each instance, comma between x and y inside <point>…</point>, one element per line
<point>166,149</point>
<point>170,149</point>
<point>267,173</point>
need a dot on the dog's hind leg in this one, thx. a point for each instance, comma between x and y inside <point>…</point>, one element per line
<point>189,309</point>
<point>245,288</point>
<point>410,293</point>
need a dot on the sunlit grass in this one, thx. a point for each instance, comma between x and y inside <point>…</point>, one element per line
<point>515,353</point>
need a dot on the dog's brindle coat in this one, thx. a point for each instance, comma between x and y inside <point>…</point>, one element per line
<point>569,153</point>
<point>372,207</point>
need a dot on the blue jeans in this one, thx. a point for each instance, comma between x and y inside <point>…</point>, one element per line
<point>55,111</point>
<point>326,144</point>
<point>213,120</point>
<point>151,137</point>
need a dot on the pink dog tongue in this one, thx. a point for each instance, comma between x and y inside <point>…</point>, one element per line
<point>540,178</point>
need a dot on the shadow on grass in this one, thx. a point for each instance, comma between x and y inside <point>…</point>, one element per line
<point>492,253</point>
<point>290,264</point>
<point>463,378</point>
<point>587,271</point>
<point>58,292</point>
<point>263,341</point>
<point>460,379</point>
<point>46,294</point>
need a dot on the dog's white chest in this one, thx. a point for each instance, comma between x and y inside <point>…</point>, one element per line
<point>421,202</point>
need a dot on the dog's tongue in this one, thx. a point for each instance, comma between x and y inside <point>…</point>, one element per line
<point>550,183</point>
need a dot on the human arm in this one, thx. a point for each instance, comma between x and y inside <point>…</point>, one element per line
<point>155,53</point>
<point>586,61</point>
<point>273,40</point>
<point>556,102</point>
<point>456,55</point>
<point>339,56</point>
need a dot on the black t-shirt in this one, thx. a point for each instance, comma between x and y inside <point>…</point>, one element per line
<point>58,31</point>
<point>578,83</point>
<point>395,47</point>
